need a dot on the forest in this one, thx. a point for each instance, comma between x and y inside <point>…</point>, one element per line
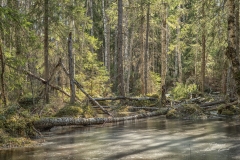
<point>78,59</point>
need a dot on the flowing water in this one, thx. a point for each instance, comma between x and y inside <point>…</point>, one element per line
<point>153,138</point>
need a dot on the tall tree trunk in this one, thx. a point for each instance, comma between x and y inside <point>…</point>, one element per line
<point>2,93</point>
<point>115,62</point>
<point>231,49</point>
<point>106,31</point>
<point>46,46</point>
<point>17,32</point>
<point>179,53</point>
<point>71,69</point>
<point>141,62</point>
<point>146,53</point>
<point>120,46</point>
<point>203,60</point>
<point>127,55</point>
<point>164,55</point>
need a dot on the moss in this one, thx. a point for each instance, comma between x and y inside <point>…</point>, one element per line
<point>154,95</point>
<point>70,111</point>
<point>227,112</point>
<point>172,114</point>
<point>189,109</point>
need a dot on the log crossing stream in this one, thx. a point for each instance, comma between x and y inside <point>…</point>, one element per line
<point>152,138</point>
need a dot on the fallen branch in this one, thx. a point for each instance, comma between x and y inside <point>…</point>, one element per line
<point>48,123</point>
<point>127,98</point>
<point>206,105</point>
<point>43,81</point>
<point>79,86</point>
<point>131,108</point>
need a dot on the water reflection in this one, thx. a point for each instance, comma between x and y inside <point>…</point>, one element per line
<point>154,138</point>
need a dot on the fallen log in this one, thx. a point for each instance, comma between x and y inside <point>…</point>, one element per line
<point>127,98</point>
<point>48,123</point>
<point>131,108</point>
<point>206,105</point>
<point>224,106</point>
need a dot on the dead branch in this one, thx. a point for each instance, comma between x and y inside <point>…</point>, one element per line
<point>127,98</point>
<point>43,81</point>
<point>79,86</point>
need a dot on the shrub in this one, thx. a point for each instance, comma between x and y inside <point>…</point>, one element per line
<point>182,91</point>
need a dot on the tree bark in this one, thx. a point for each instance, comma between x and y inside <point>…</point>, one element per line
<point>2,93</point>
<point>203,64</point>
<point>146,52</point>
<point>46,47</point>
<point>179,53</point>
<point>120,54</point>
<point>164,55</point>
<point>106,31</point>
<point>71,69</point>
<point>141,38</point>
<point>231,49</point>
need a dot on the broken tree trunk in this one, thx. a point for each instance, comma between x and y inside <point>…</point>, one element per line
<point>48,123</point>
<point>79,86</point>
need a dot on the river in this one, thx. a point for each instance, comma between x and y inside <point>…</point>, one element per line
<point>154,138</point>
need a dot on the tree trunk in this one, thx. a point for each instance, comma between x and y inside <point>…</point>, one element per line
<point>127,55</point>
<point>179,54</point>
<point>164,56</point>
<point>146,53</point>
<point>231,53</point>
<point>141,62</point>
<point>115,62</point>
<point>120,54</point>
<point>2,93</point>
<point>203,64</point>
<point>17,32</point>
<point>71,69</point>
<point>106,31</point>
<point>46,47</point>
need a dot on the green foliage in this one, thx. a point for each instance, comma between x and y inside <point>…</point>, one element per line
<point>70,111</point>
<point>155,81</point>
<point>182,91</point>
